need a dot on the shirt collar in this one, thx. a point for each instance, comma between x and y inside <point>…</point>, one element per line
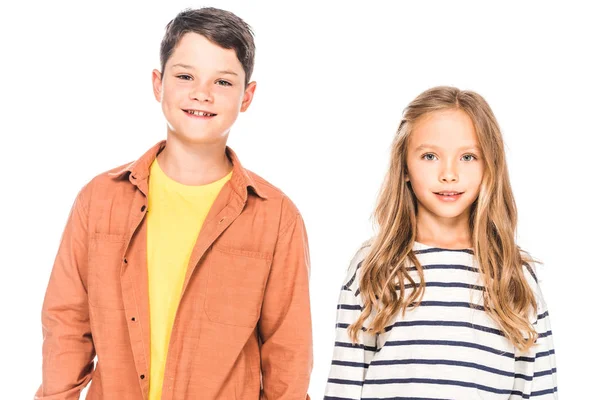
<point>139,170</point>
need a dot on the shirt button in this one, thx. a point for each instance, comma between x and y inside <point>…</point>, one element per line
<point>143,208</point>
<point>133,319</point>
<point>142,376</point>
<point>125,260</point>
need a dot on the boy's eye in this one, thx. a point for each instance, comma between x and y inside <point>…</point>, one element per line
<point>469,157</point>
<point>429,157</point>
<point>221,82</point>
<point>184,77</point>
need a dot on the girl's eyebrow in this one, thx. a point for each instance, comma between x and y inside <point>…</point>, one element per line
<point>434,147</point>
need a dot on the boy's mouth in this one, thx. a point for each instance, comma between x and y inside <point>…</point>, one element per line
<point>200,113</point>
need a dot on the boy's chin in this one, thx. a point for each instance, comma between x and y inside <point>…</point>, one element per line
<point>200,138</point>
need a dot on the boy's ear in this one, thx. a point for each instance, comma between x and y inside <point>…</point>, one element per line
<point>248,96</point>
<point>157,85</point>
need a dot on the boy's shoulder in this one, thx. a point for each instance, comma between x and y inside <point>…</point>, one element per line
<point>104,184</point>
<point>267,188</point>
<point>274,198</point>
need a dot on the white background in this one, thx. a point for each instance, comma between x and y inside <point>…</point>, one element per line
<point>333,79</point>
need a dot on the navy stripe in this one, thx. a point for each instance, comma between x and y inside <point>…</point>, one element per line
<point>450,304</point>
<point>336,398</point>
<point>538,355</point>
<point>350,364</point>
<point>438,284</point>
<point>445,323</point>
<point>524,377</point>
<point>439,250</point>
<point>441,382</point>
<point>543,392</point>
<point>355,307</point>
<point>544,373</point>
<point>344,382</point>
<point>349,283</point>
<point>542,335</point>
<point>435,304</point>
<point>383,398</point>
<point>526,359</point>
<point>401,398</point>
<point>544,353</point>
<point>446,266</point>
<point>447,285</point>
<point>449,343</point>
<point>445,362</point>
<point>432,323</point>
<point>530,269</point>
<point>355,346</point>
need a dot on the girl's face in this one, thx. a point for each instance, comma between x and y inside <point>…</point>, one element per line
<point>445,165</point>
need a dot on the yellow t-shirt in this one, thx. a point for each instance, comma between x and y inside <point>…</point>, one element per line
<point>176,213</point>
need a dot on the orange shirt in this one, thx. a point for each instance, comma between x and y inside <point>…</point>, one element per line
<point>244,314</point>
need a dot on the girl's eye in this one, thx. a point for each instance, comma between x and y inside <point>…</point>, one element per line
<point>469,157</point>
<point>221,82</point>
<point>184,77</point>
<point>429,157</point>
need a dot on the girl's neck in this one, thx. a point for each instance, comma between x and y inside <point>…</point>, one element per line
<point>447,233</point>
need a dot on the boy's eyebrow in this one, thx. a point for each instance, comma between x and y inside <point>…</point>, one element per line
<point>227,72</point>
<point>183,66</point>
<point>222,72</point>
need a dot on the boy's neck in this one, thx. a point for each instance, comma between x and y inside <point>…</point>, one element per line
<point>194,165</point>
<point>451,233</point>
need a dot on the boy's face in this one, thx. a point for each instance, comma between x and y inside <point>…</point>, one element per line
<point>445,164</point>
<point>202,90</point>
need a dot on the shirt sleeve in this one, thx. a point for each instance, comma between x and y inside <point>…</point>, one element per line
<point>285,324</point>
<point>536,369</point>
<point>68,349</point>
<point>350,361</point>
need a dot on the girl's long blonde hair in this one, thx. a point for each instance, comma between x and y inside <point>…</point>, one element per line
<point>508,298</point>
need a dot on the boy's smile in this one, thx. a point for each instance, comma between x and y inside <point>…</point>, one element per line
<point>202,114</point>
<point>202,90</point>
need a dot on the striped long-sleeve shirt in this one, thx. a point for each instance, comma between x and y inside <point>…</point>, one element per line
<point>447,348</point>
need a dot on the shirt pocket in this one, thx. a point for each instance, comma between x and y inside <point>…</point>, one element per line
<point>105,259</point>
<point>236,285</point>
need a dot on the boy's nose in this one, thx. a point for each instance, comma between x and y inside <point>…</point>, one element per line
<point>201,93</point>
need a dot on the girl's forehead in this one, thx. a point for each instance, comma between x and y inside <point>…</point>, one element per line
<point>447,128</point>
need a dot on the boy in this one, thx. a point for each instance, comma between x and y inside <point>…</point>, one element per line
<point>186,274</point>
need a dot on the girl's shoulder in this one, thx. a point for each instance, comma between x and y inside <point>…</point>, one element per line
<point>351,281</point>
<point>531,269</point>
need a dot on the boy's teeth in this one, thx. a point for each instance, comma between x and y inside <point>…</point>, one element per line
<point>199,113</point>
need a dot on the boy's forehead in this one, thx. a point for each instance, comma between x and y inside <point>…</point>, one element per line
<point>195,51</point>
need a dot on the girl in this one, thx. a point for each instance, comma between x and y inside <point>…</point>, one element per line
<point>442,303</point>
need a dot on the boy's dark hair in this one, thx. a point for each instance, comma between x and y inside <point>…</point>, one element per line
<point>221,27</point>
